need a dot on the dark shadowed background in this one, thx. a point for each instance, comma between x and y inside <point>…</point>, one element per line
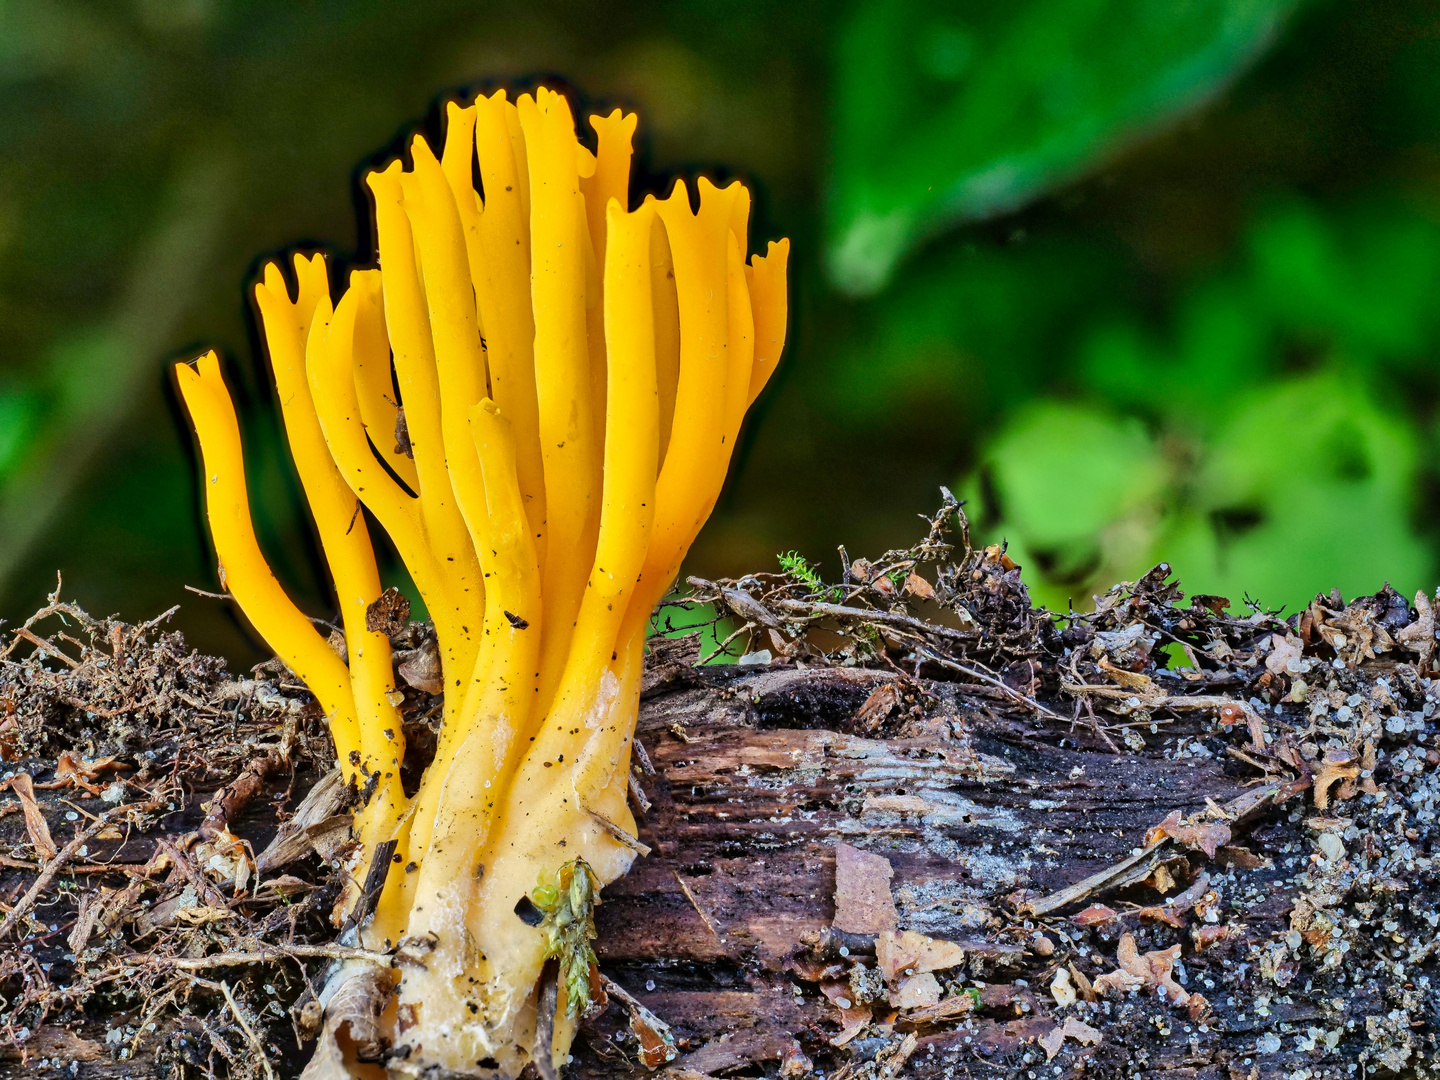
<point>1141,281</point>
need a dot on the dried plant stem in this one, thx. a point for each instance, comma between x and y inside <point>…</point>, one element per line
<point>265,954</point>
<point>55,865</point>
<point>250,1036</point>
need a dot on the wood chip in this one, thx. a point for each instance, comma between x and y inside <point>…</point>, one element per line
<point>948,1009</point>
<point>1075,1029</point>
<point>905,953</point>
<point>294,840</point>
<point>876,708</point>
<point>54,1041</point>
<point>420,668</point>
<point>35,825</point>
<point>916,992</point>
<point>863,904</point>
<point>85,918</point>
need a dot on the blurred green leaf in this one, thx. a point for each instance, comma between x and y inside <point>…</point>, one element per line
<point>1366,278</point>
<point>20,414</point>
<point>1306,486</point>
<point>929,347</point>
<point>1221,344</point>
<point>1074,490</point>
<point>1311,486</point>
<point>1068,470</point>
<point>948,112</point>
<point>94,374</point>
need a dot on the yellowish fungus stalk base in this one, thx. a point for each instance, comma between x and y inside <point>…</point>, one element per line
<point>536,395</point>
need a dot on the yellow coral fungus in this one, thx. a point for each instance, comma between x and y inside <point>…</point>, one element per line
<point>536,395</point>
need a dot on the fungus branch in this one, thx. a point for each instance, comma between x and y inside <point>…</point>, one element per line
<point>536,396</point>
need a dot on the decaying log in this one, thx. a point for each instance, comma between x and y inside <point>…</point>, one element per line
<point>976,811</point>
<point>1063,851</point>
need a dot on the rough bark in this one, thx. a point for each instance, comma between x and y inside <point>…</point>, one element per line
<point>1232,864</point>
<point>753,789</point>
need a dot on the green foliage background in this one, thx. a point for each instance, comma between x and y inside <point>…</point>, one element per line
<point>1139,280</point>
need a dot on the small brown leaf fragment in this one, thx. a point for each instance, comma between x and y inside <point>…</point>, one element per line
<point>1288,791</point>
<point>35,825</point>
<point>904,953</point>
<point>402,434</point>
<point>1208,936</point>
<point>407,1016</point>
<point>1160,879</point>
<point>1205,837</point>
<point>1162,914</point>
<point>862,571</point>
<point>1095,915</point>
<point>877,707</point>
<point>995,553</point>
<point>1419,636</point>
<point>1367,767</point>
<point>389,613</point>
<point>225,859</point>
<point>421,669</point>
<point>1075,1029</point>
<point>809,969</point>
<point>657,1042</point>
<point>1337,765</point>
<point>72,771</point>
<point>863,904</point>
<point>1153,971</point>
<point>916,992</point>
<point>1216,605</point>
<point>1282,651</point>
<point>915,585</point>
<point>1241,858</point>
<point>654,1049</point>
<point>1133,680</point>
<point>854,1015</point>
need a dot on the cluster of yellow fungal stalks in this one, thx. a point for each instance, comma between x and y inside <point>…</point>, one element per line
<point>569,376</point>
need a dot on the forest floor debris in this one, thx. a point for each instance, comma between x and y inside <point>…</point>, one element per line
<point>1158,835</point>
